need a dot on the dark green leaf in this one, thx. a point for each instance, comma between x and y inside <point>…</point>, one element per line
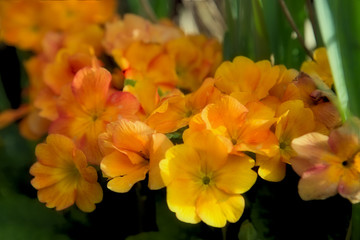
<point>247,231</point>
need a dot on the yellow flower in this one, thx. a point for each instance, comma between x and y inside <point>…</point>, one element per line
<point>329,164</point>
<point>63,177</point>
<point>245,80</point>
<point>203,182</point>
<point>320,67</point>
<point>294,121</point>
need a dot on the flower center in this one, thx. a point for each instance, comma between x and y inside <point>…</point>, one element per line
<point>282,145</point>
<point>206,180</point>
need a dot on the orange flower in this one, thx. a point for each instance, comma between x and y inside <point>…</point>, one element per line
<point>63,177</point>
<point>11,115</point>
<point>320,67</point>
<point>203,182</point>
<point>88,106</point>
<point>176,110</point>
<point>21,24</point>
<point>245,80</point>
<point>119,34</point>
<point>324,110</point>
<point>245,128</point>
<point>329,164</point>
<point>131,149</point>
<point>194,58</point>
<point>294,121</point>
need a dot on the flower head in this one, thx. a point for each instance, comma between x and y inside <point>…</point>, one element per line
<point>63,177</point>
<point>88,106</point>
<point>132,149</point>
<point>203,182</point>
<point>329,164</point>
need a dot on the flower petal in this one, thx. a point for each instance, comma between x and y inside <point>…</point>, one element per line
<point>236,176</point>
<point>181,199</point>
<point>125,183</point>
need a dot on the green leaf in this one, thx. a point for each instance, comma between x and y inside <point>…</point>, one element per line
<point>247,231</point>
<point>286,50</point>
<point>129,82</point>
<point>25,218</point>
<point>328,32</point>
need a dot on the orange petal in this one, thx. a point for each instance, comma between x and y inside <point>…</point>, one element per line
<point>125,183</point>
<point>90,87</point>
<point>87,195</point>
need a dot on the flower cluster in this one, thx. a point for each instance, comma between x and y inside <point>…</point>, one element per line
<point>139,100</point>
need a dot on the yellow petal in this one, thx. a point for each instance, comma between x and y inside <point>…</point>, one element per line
<point>236,176</point>
<point>214,207</point>
<point>181,199</point>
<point>160,144</point>
<point>212,149</point>
<point>271,168</point>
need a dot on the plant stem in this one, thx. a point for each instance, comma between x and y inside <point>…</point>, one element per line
<point>294,27</point>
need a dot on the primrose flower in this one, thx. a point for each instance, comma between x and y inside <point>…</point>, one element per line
<point>132,149</point>
<point>63,177</point>
<point>294,121</point>
<point>21,24</point>
<point>245,80</point>
<point>88,106</point>
<point>203,182</point>
<point>329,164</point>
<point>246,128</point>
<point>194,59</point>
<point>175,111</point>
<point>320,67</point>
<point>324,110</point>
<point>120,33</point>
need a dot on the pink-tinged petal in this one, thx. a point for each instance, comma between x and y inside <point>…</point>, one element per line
<point>160,144</point>
<point>90,87</point>
<point>122,105</point>
<point>125,183</point>
<point>327,114</point>
<point>181,199</point>
<point>236,176</point>
<point>319,182</point>
<point>314,147</point>
<point>271,168</point>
